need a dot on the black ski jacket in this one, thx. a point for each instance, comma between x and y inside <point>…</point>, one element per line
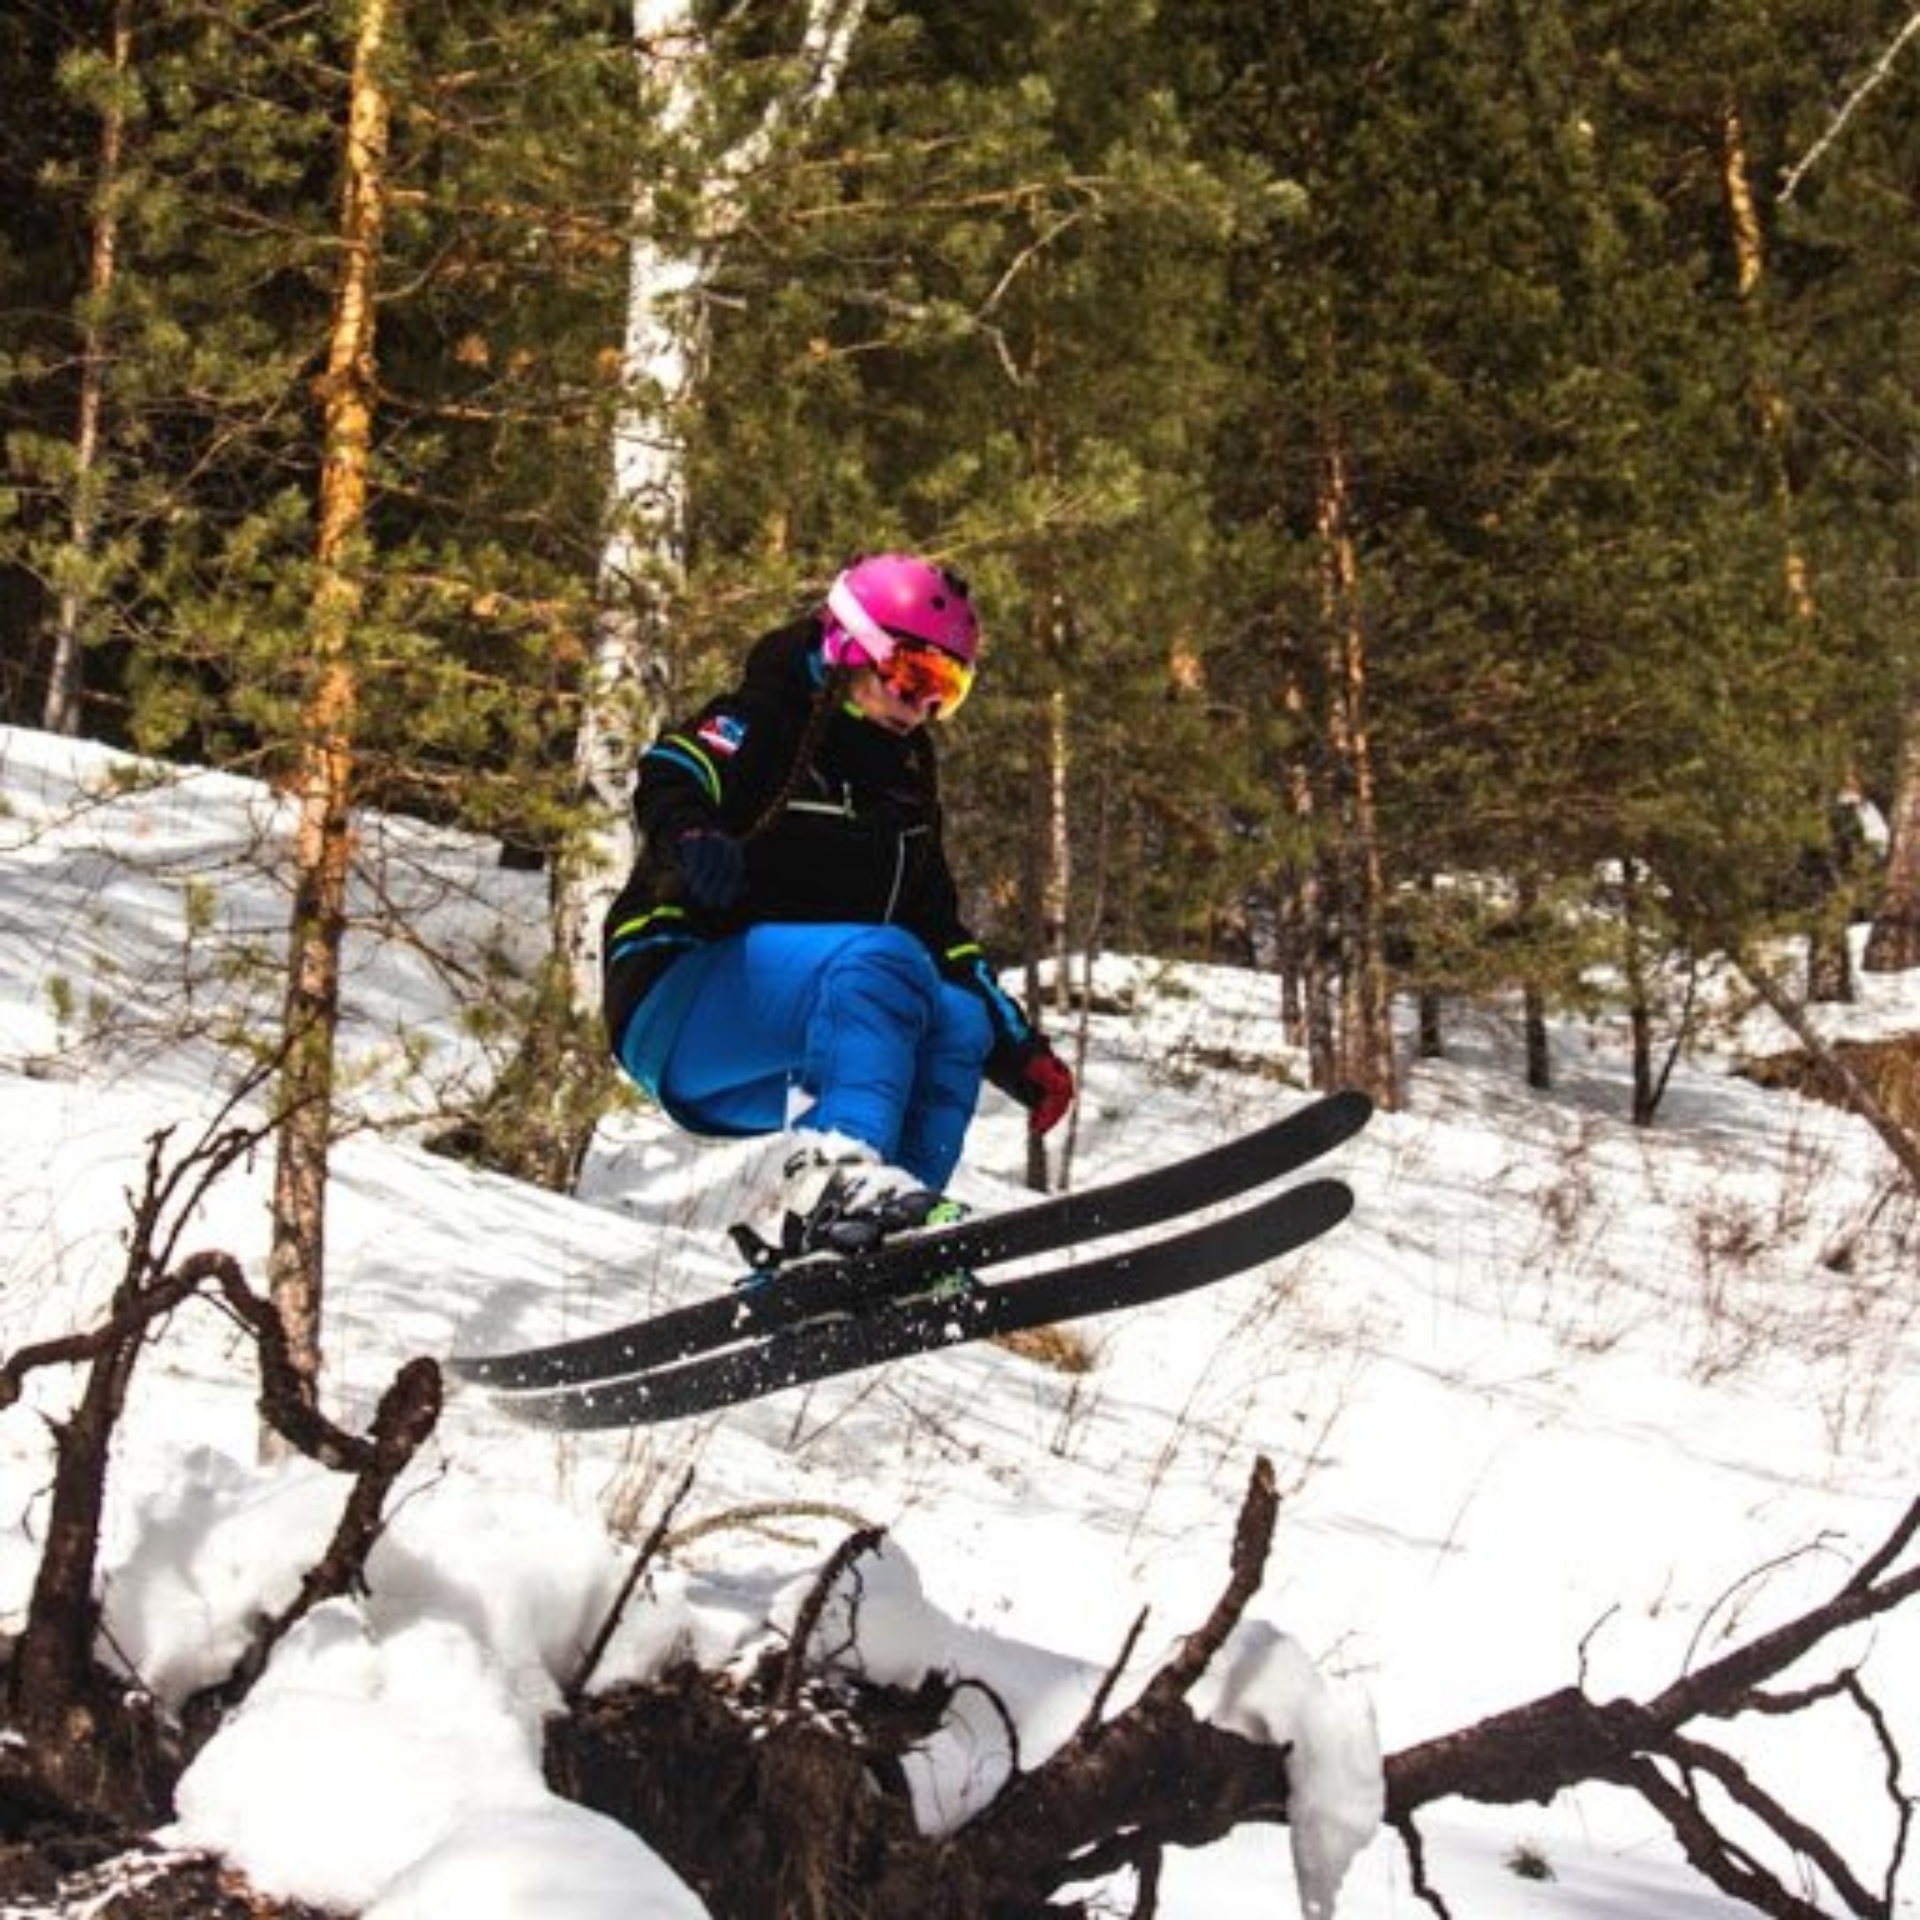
<point>852,835</point>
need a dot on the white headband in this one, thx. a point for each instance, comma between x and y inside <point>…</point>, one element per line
<point>845,607</point>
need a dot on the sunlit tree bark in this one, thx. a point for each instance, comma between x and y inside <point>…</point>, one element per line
<point>324,781</point>
<point>1365,1057</point>
<point>1894,944</point>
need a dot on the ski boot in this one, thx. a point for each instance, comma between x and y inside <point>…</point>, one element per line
<point>840,1198</point>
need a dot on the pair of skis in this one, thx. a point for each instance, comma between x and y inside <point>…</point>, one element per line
<point>827,1316</point>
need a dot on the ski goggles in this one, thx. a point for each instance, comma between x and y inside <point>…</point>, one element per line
<point>923,675</point>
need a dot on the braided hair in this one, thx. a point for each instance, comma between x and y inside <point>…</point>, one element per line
<point>828,698</point>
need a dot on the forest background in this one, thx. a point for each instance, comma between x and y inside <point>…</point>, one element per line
<point>1430,470</point>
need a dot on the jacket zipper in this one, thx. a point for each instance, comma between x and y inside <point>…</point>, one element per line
<point>843,809</point>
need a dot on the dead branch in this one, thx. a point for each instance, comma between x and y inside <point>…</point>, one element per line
<point>830,1810</point>
<point>1533,1752</point>
<point>1877,74</point>
<point>1121,1789</point>
<point>576,1687</point>
<point>288,1401</point>
<point>1847,1084</point>
<point>93,1749</point>
<point>408,1412</point>
<point>1097,1706</point>
<point>814,1753</point>
<point>785,1688</point>
<point>1252,1541</point>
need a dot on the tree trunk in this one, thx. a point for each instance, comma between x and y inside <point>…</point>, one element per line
<point>1770,407</point>
<point>66,672</point>
<point>1366,1036</point>
<point>324,782</point>
<point>1639,996</point>
<point>1048,875</point>
<point>1894,944</point>
<point>1432,1040</point>
<point>1306,991</point>
<point>1829,972</point>
<point>1539,1050</point>
<point>642,559</point>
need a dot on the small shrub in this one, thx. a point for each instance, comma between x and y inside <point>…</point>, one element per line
<point>1527,1862</point>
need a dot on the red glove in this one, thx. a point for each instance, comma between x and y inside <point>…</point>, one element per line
<point>1044,1088</point>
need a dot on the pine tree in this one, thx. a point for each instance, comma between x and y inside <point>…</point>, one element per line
<point>976,323</point>
<point>1495,293</point>
<point>1843,272</point>
<point>356,562</point>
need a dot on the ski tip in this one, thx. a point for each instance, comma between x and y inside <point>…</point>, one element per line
<point>1315,1205</point>
<point>1344,1201</point>
<point>1341,1113</point>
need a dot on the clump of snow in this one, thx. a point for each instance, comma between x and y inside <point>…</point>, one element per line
<point>397,1734</point>
<point>554,1860</point>
<point>1263,1685</point>
<point>214,1548</point>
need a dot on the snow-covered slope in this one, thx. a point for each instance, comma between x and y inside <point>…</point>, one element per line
<point>1566,1401</point>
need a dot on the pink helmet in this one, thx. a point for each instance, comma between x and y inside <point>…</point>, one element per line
<point>895,596</point>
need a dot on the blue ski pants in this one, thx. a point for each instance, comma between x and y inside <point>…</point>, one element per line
<point>858,1019</point>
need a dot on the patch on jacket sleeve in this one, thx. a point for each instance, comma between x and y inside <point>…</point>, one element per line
<point>724,734</point>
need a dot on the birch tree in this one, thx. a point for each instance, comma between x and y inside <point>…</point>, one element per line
<point>1832,190</point>
<point>670,262</point>
<point>1894,944</point>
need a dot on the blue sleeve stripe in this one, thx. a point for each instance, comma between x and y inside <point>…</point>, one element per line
<point>1002,1008</point>
<point>1000,1003</point>
<point>625,948</point>
<point>679,751</point>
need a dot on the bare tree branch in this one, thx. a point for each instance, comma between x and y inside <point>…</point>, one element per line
<point>596,1651</point>
<point>1790,182</point>
<point>1532,1752</point>
<point>93,1749</point>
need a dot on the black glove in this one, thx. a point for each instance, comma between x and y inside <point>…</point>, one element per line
<point>714,866</point>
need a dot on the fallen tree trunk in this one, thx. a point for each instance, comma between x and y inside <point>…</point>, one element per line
<point>773,1797</point>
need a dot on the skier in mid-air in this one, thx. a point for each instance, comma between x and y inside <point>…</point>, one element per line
<point>788,954</point>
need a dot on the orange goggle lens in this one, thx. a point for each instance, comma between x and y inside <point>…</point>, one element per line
<point>924,676</point>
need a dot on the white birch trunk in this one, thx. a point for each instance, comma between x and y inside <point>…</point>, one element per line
<point>641,561</point>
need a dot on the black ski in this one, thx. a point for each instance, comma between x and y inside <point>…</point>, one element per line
<point>810,1288</point>
<point>796,1356</point>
